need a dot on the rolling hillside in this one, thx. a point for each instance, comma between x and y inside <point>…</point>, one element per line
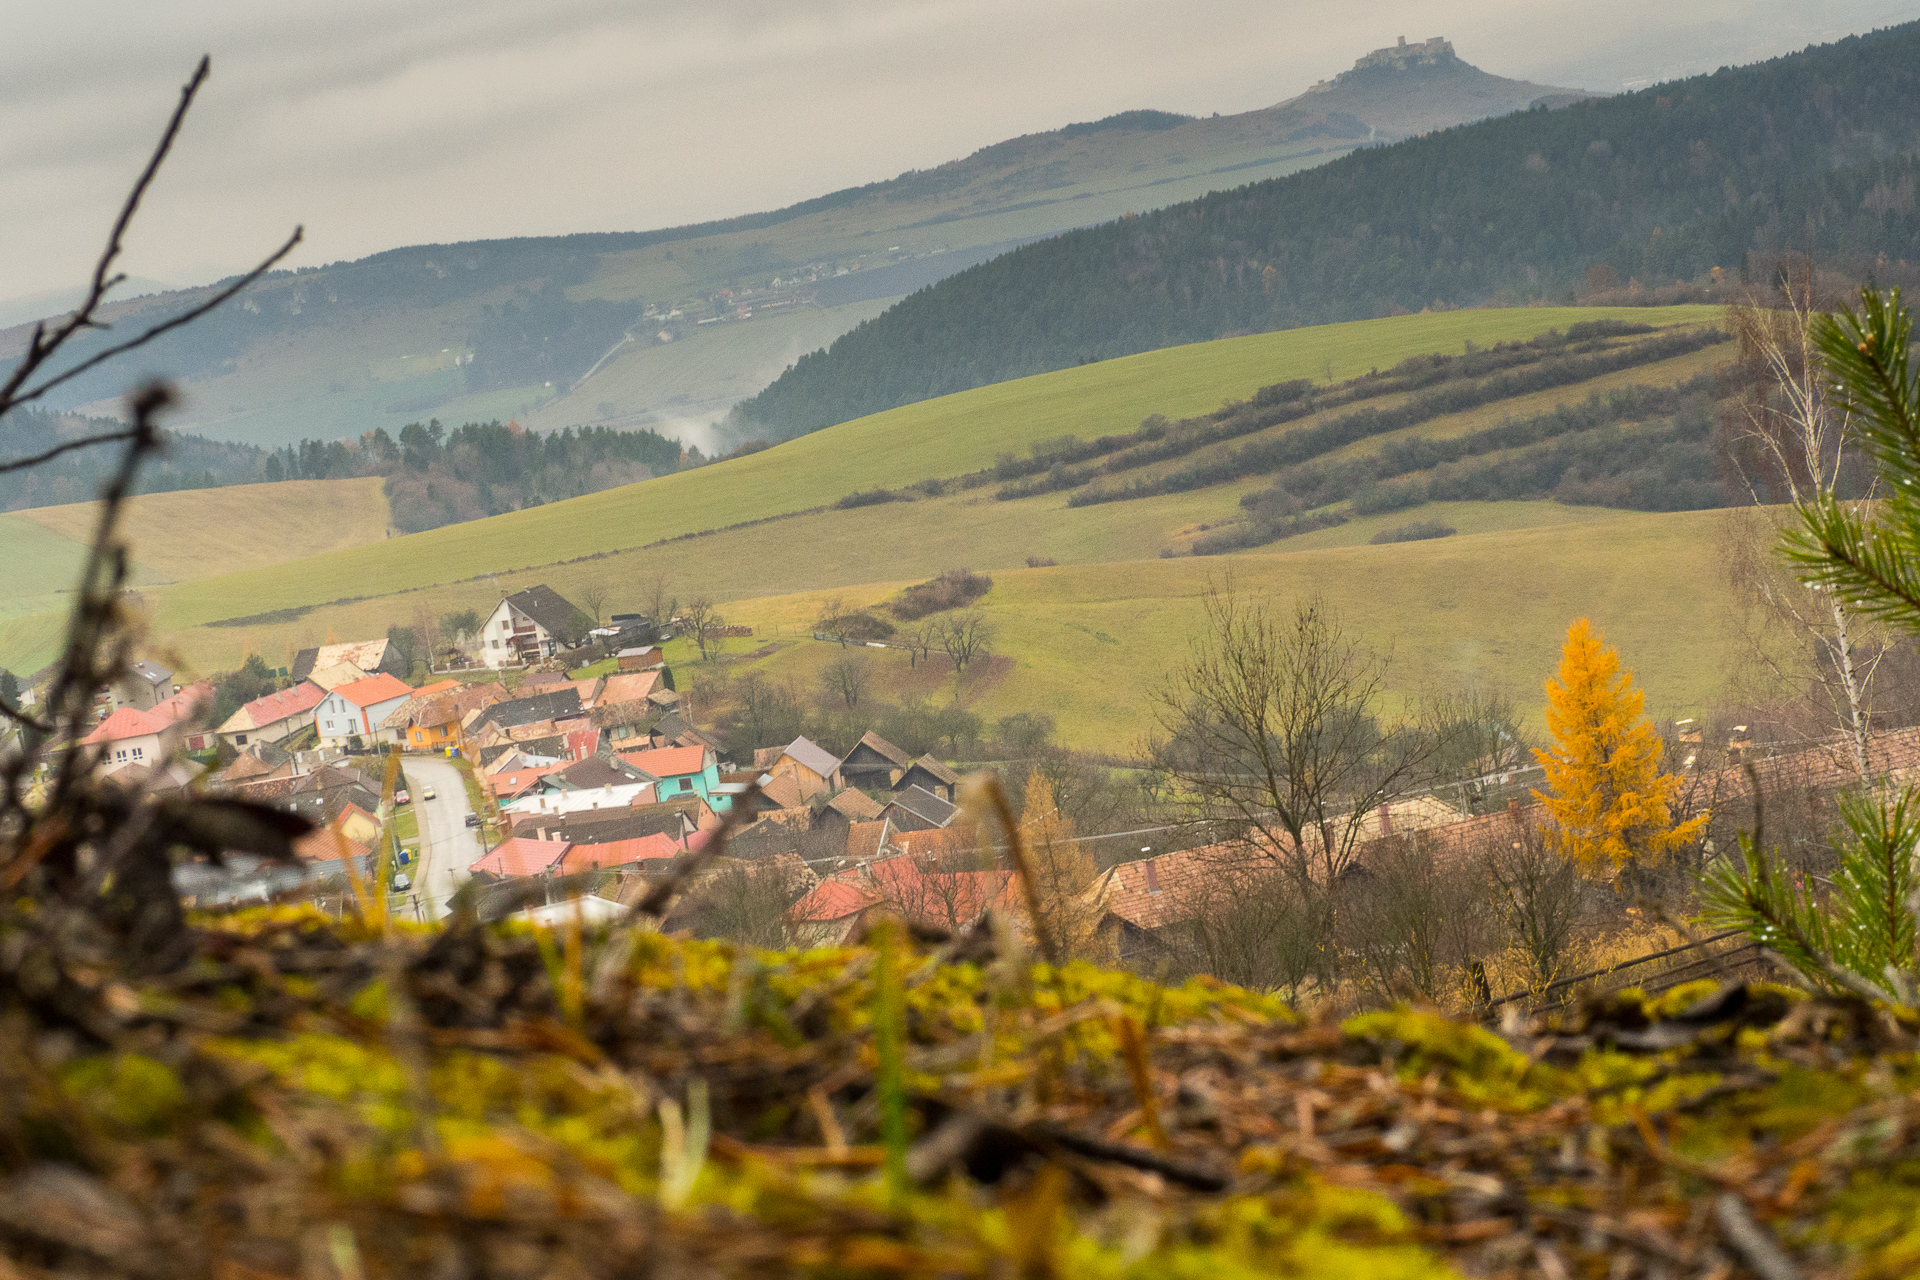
<point>1696,183</point>
<point>509,329</point>
<point>793,537</point>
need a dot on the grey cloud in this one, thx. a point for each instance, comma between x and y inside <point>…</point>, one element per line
<point>381,124</point>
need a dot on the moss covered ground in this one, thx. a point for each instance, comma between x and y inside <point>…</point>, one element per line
<point>310,1098</point>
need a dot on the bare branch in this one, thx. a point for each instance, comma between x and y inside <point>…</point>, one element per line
<point>23,464</point>
<point>44,343</point>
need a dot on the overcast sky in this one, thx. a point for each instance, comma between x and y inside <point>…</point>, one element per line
<point>378,124</point>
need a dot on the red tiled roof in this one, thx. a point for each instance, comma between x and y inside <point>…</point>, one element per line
<point>439,686</point>
<point>620,853</point>
<point>274,707</point>
<point>374,689</point>
<point>1173,886</point>
<point>831,900</point>
<point>184,704</point>
<point>326,844</point>
<point>668,762</point>
<point>863,840</point>
<point>125,723</point>
<point>521,856</point>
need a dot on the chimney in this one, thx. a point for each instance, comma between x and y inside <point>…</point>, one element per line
<point>1403,42</point>
<point>1513,809</point>
<point>1386,819</point>
<point>1153,877</point>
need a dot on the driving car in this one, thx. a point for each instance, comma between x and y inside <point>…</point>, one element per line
<point>427,794</point>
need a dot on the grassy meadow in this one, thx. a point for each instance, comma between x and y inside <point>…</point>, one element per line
<point>1088,643</point>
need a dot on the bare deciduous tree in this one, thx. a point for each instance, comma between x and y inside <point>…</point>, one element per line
<point>594,596</point>
<point>1270,726</point>
<point>966,636</point>
<point>919,641</point>
<point>1792,444</point>
<point>847,677</point>
<point>1536,894</point>
<point>703,623</point>
<point>659,602</point>
<point>1412,924</point>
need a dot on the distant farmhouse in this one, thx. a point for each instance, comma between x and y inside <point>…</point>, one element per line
<point>527,626</point>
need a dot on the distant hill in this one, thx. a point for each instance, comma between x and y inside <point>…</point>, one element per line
<point>658,328</point>
<point>1697,181</point>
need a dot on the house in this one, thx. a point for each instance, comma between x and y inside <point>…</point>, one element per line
<point>527,626</point>
<point>335,674</point>
<point>917,809</point>
<point>561,704</point>
<point>683,771</point>
<point>929,775</point>
<point>429,720</point>
<point>131,736</point>
<point>917,890</point>
<point>256,760</point>
<point>370,657</point>
<point>659,849</point>
<point>845,809</point>
<point>592,783</point>
<point>1135,902</point>
<point>186,709</point>
<point>273,717</point>
<point>815,769</point>
<point>680,820</point>
<point>353,712</point>
<point>519,856</point>
<point>873,762</point>
<point>144,684</point>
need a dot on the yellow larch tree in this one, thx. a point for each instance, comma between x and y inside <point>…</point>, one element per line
<point>1062,866</point>
<point>1609,801</point>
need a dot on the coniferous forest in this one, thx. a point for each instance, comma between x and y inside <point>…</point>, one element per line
<point>1698,181</point>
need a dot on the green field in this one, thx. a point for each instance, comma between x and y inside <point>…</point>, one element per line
<point>458,566</point>
<point>1088,643</point>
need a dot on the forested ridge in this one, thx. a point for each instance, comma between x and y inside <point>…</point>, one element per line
<point>1695,181</point>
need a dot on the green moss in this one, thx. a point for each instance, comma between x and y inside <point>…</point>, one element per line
<point>127,1090</point>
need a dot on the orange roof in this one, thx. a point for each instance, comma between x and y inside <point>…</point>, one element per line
<point>374,689</point>
<point>669,762</point>
<point>521,856</point>
<point>620,853</point>
<point>184,704</point>
<point>439,686</point>
<point>831,900</point>
<point>126,723</point>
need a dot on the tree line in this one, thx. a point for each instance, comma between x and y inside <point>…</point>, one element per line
<point>435,476</point>
<point>1690,181</point>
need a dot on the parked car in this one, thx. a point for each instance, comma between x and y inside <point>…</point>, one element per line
<point>402,883</point>
<point>473,819</point>
<point>427,794</point>
<point>401,796</point>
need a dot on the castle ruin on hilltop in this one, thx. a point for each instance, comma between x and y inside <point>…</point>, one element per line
<point>1397,57</point>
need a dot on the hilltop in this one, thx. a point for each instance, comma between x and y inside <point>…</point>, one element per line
<point>661,327</point>
<point>1691,188</point>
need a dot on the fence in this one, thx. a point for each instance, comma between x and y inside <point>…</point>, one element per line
<point>1719,956</point>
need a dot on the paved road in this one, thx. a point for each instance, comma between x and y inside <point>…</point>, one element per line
<point>448,845</point>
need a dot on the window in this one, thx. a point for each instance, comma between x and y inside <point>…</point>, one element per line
<point>121,754</point>
<point>239,739</point>
<point>686,784</point>
<point>137,752</point>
